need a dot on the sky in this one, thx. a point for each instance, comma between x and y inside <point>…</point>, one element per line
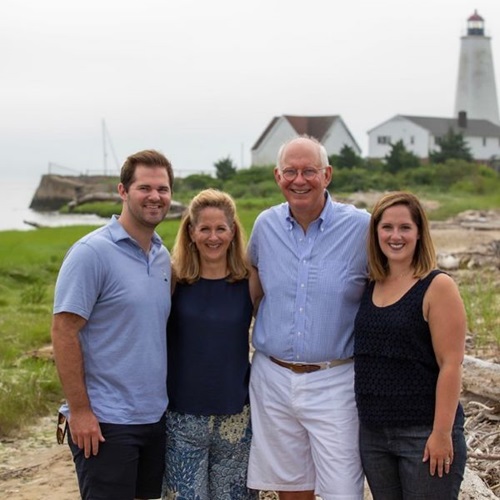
<point>200,80</point>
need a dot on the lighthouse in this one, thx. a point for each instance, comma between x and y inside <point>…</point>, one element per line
<point>476,89</point>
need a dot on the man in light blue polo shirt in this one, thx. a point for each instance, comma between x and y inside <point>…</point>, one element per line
<point>310,254</point>
<point>112,302</point>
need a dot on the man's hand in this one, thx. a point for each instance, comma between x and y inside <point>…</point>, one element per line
<point>85,431</point>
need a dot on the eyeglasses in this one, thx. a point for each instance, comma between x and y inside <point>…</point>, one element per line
<point>62,427</point>
<point>308,174</point>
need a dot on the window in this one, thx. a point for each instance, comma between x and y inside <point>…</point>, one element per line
<point>383,139</point>
<point>484,141</point>
<point>412,139</point>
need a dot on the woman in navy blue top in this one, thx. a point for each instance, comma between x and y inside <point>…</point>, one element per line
<point>408,351</point>
<point>208,419</point>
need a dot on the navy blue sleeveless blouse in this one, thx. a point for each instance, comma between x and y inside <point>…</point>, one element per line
<point>395,366</point>
<point>207,337</point>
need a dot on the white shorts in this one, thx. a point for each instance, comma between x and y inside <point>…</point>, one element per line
<point>305,431</point>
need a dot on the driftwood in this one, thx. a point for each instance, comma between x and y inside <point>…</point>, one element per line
<point>481,383</point>
<point>33,224</point>
<point>481,226</point>
<point>481,378</point>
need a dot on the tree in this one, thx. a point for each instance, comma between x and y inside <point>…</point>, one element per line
<point>197,182</point>
<point>225,168</point>
<point>347,158</point>
<point>399,158</point>
<point>451,146</point>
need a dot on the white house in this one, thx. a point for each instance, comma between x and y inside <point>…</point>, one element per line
<point>421,135</point>
<point>331,131</point>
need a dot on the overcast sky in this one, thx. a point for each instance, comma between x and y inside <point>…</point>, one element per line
<point>200,80</point>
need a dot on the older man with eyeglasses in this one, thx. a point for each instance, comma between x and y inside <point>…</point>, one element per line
<point>310,253</point>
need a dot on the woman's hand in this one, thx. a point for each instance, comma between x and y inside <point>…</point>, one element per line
<point>439,453</point>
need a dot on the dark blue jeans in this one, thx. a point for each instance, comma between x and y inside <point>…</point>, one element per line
<point>392,462</point>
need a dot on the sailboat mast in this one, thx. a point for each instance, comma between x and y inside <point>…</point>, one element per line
<point>104,150</point>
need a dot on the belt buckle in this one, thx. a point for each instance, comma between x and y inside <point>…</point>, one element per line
<point>304,368</point>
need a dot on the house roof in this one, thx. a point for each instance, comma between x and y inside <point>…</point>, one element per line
<point>439,127</point>
<point>315,126</point>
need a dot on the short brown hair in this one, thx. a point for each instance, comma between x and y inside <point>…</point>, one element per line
<point>185,258</point>
<point>424,258</point>
<point>148,158</point>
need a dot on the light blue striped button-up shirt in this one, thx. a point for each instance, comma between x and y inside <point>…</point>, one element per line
<point>312,281</point>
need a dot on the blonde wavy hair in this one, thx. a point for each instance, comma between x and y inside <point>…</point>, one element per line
<point>186,266</point>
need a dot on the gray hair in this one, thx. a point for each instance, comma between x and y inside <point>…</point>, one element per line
<point>323,155</point>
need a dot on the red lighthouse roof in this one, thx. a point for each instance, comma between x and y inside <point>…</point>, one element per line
<point>475,17</point>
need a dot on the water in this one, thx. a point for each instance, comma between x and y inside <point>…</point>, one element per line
<point>15,199</point>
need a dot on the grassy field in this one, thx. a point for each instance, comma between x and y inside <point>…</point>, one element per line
<point>29,262</point>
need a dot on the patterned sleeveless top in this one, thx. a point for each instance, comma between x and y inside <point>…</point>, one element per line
<point>395,364</point>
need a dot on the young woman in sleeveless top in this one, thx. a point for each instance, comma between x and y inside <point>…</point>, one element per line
<point>409,348</point>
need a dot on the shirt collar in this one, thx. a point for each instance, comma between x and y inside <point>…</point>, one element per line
<point>118,233</point>
<point>325,215</point>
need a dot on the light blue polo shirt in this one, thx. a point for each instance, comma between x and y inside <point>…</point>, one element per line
<point>124,295</point>
<point>312,282</point>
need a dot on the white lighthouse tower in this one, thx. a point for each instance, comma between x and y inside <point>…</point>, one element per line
<point>476,89</point>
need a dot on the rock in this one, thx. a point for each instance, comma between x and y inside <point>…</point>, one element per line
<point>473,488</point>
<point>448,262</point>
<point>55,191</point>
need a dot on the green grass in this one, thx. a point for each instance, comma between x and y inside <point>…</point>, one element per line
<point>451,204</point>
<point>481,296</point>
<point>29,389</point>
<point>102,208</point>
<point>29,262</point>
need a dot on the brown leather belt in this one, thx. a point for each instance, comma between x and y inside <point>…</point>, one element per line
<point>309,368</point>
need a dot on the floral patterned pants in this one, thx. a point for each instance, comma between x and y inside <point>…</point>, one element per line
<point>207,457</point>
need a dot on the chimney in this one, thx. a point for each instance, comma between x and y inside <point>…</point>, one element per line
<point>462,119</point>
